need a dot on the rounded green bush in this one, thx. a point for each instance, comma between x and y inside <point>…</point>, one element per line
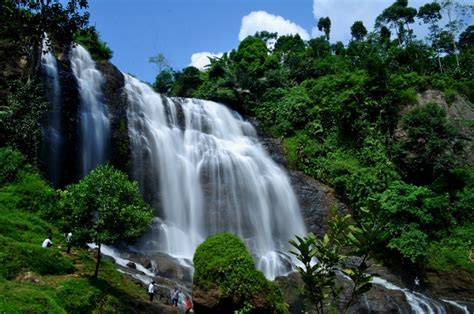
<point>223,263</point>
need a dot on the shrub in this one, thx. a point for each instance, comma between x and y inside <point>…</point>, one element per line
<point>89,38</point>
<point>11,163</point>
<point>223,263</point>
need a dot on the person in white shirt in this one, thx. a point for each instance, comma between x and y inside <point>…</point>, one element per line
<point>47,242</point>
<point>69,242</point>
<point>151,290</point>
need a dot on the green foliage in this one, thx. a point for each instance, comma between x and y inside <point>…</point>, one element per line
<point>164,81</point>
<point>323,258</point>
<point>428,148</point>
<point>451,253</point>
<point>222,262</point>
<point>105,207</point>
<point>412,214</point>
<point>186,82</point>
<point>21,113</point>
<point>324,25</point>
<point>89,38</point>
<point>358,30</point>
<point>12,162</point>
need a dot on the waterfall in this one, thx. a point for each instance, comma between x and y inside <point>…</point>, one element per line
<point>93,119</point>
<point>418,302</point>
<point>52,137</point>
<point>203,169</point>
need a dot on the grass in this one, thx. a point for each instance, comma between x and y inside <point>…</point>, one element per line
<point>38,280</point>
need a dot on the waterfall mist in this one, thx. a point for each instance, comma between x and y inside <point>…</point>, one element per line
<point>202,167</point>
<point>93,119</point>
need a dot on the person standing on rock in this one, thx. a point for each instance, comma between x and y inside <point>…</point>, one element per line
<point>69,242</point>
<point>175,297</point>
<point>417,283</point>
<point>151,290</point>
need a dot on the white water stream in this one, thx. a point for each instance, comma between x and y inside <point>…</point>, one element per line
<point>202,167</point>
<point>93,119</point>
<point>52,133</point>
<point>420,303</point>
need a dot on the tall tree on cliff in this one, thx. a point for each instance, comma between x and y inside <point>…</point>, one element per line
<point>430,14</point>
<point>60,21</point>
<point>398,16</point>
<point>324,25</point>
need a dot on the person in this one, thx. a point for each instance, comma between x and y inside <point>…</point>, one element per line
<point>151,290</point>
<point>69,242</point>
<point>469,252</point>
<point>188,304</point>
<point>417,283</point>
<point>175,297</point>
<point>47,242</point>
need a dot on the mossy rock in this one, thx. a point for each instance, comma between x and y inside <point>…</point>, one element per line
<point>225,279</point>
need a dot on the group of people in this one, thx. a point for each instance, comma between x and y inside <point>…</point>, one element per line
<point>48,242</point>
<point>175,294</point>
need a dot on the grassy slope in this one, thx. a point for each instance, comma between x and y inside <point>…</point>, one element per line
<point>38,280</point>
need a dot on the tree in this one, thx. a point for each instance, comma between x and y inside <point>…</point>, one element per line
<point>358,30</point>
<point>89,38</point>
<point>164,81</point>
<point>104,208</point>
<point>160,61</point>
<point>59,19</point>
<point>398,16</point>
<point>186,82</point>
<point>323,258</point>
<point>428,148</point>
<point>455,11</point>
<point>324,25</point>
<point>430,14</point>
<point>466,39</point>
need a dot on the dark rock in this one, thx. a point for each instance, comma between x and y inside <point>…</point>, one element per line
<point>132,265</point>
<point>291,287</point>
<point>458,285</point>
<point>116,101</point>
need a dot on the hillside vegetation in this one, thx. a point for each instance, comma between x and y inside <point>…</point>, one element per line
<point>349,116</point>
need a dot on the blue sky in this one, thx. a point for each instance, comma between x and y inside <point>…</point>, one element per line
<point>138,29</point>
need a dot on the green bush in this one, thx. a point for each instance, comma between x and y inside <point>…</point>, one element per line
<point>32,193</point>
<point>89,38</point>
<point>11,163</point>
<point>451,253</point>
<point>223,263</point>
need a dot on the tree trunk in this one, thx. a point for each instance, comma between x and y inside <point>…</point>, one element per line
<point>99,256</point>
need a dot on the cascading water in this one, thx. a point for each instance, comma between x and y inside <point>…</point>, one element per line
<point>52,136</point>
<point>93,119</point>
<point>203,169</point>
<point>421,303</point>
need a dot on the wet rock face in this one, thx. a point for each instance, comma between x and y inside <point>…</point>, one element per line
<point>116,102</point>
<point>69,123</point>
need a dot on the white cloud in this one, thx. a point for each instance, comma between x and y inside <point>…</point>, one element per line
<point>343,13</point>
<point>201,59</point>
<point>262,21</point>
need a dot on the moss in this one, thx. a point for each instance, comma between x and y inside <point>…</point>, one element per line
<point>223,263</point>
